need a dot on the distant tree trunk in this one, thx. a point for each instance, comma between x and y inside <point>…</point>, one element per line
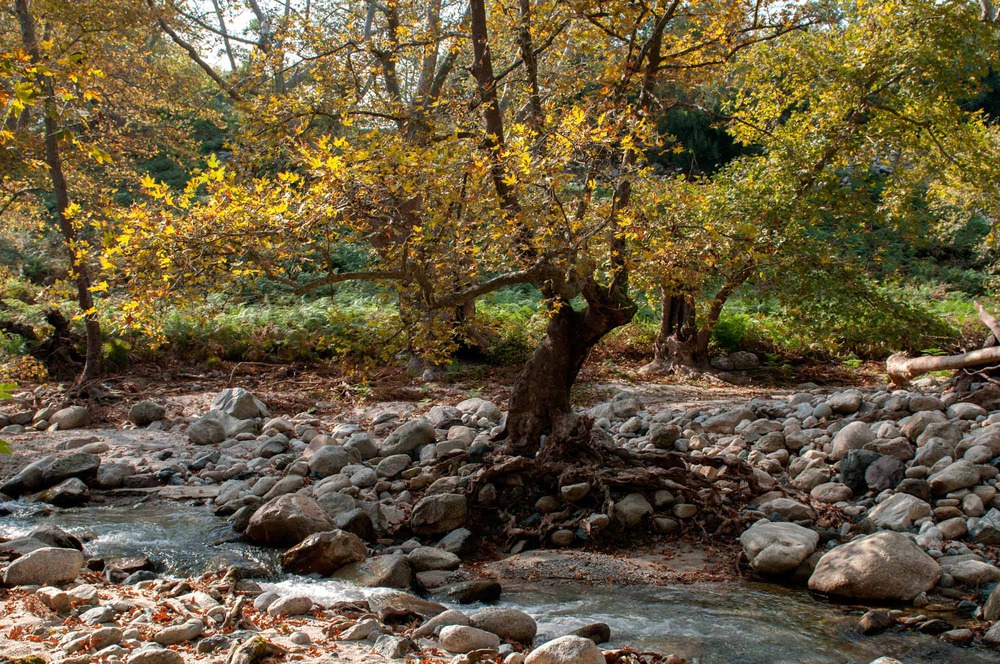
<point>541,393</point>
<point>680,343</point>
<point>78,267</point>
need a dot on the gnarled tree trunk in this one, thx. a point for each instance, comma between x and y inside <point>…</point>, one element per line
<point>680,343</point>
<point>541,393</point>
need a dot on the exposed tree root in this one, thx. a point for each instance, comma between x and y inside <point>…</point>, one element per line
<point>575,453</point>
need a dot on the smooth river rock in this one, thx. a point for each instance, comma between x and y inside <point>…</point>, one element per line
<point>886,566</point>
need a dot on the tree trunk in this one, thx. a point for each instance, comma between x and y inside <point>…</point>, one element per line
<point>541,393</point>
<point>680,344</point>
<point>78,267</point>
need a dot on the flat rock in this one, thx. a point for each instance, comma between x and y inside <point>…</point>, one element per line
<point>48,566</point>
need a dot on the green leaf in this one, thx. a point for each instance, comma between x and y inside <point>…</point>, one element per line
<point>5,448</point>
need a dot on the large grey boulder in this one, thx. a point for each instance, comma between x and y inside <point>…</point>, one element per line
<point>48,566</point>
<point>899,512</point>
<point>986,530</point>
<point>239,403</point>
<point>31,477</point>
<point>845,403</point>
<point>207,430</point>
<point>632,509</point>
<point>65,494</point>
<point>408,437</point>
<point>727,421</point>
<point>508,623</point>
<point>778,548</point>
<point>438,514</point>
<point>886,566</point>
<point>215,426</point>
<point>329,460</point>
<point>959,475</point>
<point>145,413</point>
<point>462,639</point>
<point>287,520</point>
<point>853,468</point>
<point>480,408</point>
<point>852,437</point>
<point>71,417</point>
<point>324,553</point>
<point>566,650</point>
<point>80,464</point>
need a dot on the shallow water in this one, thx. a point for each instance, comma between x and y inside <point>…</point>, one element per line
<point>709,623</point>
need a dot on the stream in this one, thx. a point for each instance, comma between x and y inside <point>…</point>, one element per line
<point>708,623</point>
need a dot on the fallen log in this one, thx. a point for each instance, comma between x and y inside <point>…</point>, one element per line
<point>991,323</point>
<point>902,368</point>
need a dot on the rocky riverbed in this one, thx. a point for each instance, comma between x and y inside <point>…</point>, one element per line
<point>884,499</point>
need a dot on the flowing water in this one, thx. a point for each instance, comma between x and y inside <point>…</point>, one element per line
<point>709,623</point>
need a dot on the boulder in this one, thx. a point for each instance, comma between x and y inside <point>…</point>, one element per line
<point>791,509</point>
<point>287,520</point>
<point>65,494</point>
<point>427,558</point>
<point>727,421</point>
<point>778,548</point>
<point>329,460</point>
<point>239,403</point>
<point>145,413</point>
<point>206,430</point>
<point>79,464</point>
<point>852,437</point>
<point>408,437</point>
<point>292,605</point>
<point>986,530</point>
<point>899,512</point>
<point>151,655</point>
<point>970,572</point>
<point>831,492</point>
<point>885,473</point>
<point>508,623</point>
<point>391,571</point>
<point>632,509</point>
<point>72,417</point>
<point>853,467</point>
<point>959,475</point>
<point>47,566</point>
<point>845,403</point>
<point>566,650</point>
<point>438,514</point>
<point>462,639</point>
<point>29,479</point>
<point>324,553</point>
<point>175,634</point>
<point>886,566</point>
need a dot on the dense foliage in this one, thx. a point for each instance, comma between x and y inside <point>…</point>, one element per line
<point>351,180</point>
